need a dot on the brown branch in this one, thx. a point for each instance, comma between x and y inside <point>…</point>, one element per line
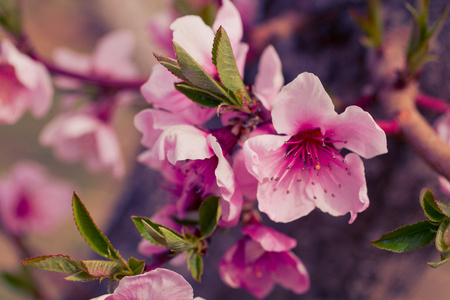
<point>399,100</point>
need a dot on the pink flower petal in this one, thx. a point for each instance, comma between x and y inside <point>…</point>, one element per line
<point>231,199</point>
<point>301,104</point>
<point>182,142</point>
<point>194,36</point>
<point>269,239</point>
<point>269,79</point>
<point>159,284</point>
<point>229,18</point>
<point>362,135</point>
<point>289,272</point>
<point>112,55</point>
<point>344,192</point>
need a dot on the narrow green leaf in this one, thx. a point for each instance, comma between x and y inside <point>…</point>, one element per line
<point>171,65</point>
<point>21,282</point>
<point>438,263</point>
<point>82,276</point>
<point>174,240</point>
<point>91,233</point>
<point>198,95</point>
<point>55,263</point>
<point>407,238</point>
<point>197,76</point>
<point>101,268</point>
<point>443,238</point>
<point>444,208</point>
<point>209,215</point>
<point>140,226</point>
<point>154,231</point>
<point>223,59</point>
<point>137,266</point>
<point>195,265</point>
<point>430,207</point>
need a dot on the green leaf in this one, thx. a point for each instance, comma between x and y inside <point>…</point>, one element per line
<point>195,265</point>
<point>171,65</point>
<point>82,276</point>
<point>198,95</point>
<point>154,231</point>
<point>93,236</point>
<point>223,59</point>
<point>444,208</point>
<point>174,240</point>
<point>443,238</point>
<point>439,263</point>
<point>209,215</point>
<point>101,268</point>
<point>430,207</point>
<point>137,266</point>
<point>407,238</point>
<point>21,281</point>
<point>56,263</point>
<point>197,76</point>
<point>140,226</point>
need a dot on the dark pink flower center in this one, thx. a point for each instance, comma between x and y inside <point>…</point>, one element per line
<point>200,174</point>
<point>23,207</point>
<point>310,151</point>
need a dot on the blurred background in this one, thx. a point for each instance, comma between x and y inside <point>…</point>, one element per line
<point>314,36</point>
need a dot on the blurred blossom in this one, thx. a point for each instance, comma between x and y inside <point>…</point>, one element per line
<point>443,130</point>
<point>24,84</point>
<point>83,136</point>
<point>159,284</point>
<point>260,260</point>
<point>31,200</point>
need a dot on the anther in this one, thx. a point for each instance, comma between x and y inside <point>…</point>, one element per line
<point>333,195</point>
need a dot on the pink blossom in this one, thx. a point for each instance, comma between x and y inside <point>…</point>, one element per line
<point>200,158</point>
<point>443,130</point>
<point>82,136</point>
<point>111,57</point>
<point>302,168</point>
<point>191,33</point>
<point>24,84</point>
<point>159,284</point>
<point>260,260</point>
<point>31,200</point>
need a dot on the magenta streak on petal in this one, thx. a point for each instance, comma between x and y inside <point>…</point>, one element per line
<point>312,151</point>
<point>199,174</point>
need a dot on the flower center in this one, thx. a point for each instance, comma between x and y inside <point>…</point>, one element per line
<point>200,174</point>
<point>312,152</point>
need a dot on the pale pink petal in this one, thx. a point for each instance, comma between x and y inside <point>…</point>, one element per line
<point>31,200</point>
<point>160,91</point>
<point>256,150</point>
<point>151,122</point>
<point>340,191</point>
<point>444,185</point>
<point>72,61</point>
<point>109,151</point>
<point>229,18</point>
<point>289,272</point>
<point>194,36</point>
<point>269,239</point>
<point>240,55</point>
<point>360,132</point>
<point>301,104</point>
<point>231,200</point>
<point>159,30</point>
<point>159,284</point>
<point>112,55</point>
<point>25,83</point>
<point>182,142</point>
<point>247,183</point>
<point>269,79</point>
